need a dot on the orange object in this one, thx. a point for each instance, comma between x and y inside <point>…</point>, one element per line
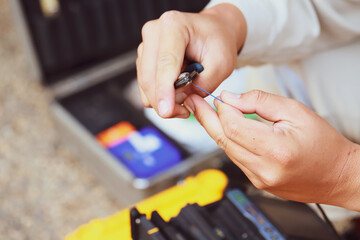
<point>115,134</point>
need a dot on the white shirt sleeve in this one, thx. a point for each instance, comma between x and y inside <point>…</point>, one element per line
<point>280,31</point>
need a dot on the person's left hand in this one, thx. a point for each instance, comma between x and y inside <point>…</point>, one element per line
<point>299,157</point>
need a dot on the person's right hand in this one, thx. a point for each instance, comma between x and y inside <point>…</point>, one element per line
<point>212,38</point>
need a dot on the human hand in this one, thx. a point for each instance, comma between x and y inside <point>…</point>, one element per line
<point>299,157</point>
<point>212,38</point>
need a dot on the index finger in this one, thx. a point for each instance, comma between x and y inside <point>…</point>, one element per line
<point>248,133</point>
<point>209,119</point>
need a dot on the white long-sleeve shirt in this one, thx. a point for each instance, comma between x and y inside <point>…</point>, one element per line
<point>320,41</point>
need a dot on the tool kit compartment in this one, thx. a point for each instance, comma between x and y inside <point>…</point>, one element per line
<point>210,205</point>
<point>85,52</point>
<point>235,216</point>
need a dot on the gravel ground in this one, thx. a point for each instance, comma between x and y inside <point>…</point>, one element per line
<point>44,192</point>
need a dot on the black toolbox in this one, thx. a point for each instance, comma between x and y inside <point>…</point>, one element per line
<point>85,52</point>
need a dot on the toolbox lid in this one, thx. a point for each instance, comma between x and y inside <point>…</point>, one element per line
<point>70,36</point>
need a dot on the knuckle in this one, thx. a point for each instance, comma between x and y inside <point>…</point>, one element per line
<point>260,96</point>
<point>221,141</point>
<point>168,59</point>
<point>171,16</point>
<point>147,28</point>
<point>231,130</point>
<point>271,180</point>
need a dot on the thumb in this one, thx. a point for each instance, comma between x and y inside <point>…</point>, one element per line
<point>271,107</point>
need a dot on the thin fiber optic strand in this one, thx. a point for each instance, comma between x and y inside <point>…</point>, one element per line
<point>208,93</point>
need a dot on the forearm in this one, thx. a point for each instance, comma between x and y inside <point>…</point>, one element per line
<point>347,191</point>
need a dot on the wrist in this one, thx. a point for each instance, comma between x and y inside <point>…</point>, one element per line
<point>347,191</point>
<point>232,17</point>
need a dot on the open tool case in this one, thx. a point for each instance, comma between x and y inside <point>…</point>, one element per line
<point>236,216</point>
<point>221,209</point>
<point>210,205</point>
<point>85,52</point>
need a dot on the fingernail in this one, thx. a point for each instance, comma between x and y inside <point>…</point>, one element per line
<point>189,105</point>
<point>183,116</point>
<point>180,97</point>
<point>227,94</point>
<point>163,108</point>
